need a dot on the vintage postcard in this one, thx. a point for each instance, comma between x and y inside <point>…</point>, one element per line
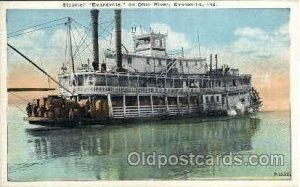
<point>149,93</point>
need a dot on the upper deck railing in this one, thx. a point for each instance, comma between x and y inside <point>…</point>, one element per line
<point>91,90</point>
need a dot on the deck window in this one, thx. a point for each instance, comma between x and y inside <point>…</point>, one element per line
<point>234,82</point>
<point>206,99</point>
<point>177,83</point>
<point>129,60</point>
<point>123,80</point>
<point>169,83</point>
<point>159,62</point>
<point>142,82</point>
<point>100,80</point>
<point>161,82</point>
<point>133,81</point>
<point>79,80</point>
<point>112,80</point>
<point>151,82</point>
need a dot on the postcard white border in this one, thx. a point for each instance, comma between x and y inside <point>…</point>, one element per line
<point>294,98</point>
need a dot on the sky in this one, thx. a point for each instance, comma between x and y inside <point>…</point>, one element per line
<point>254,40</point>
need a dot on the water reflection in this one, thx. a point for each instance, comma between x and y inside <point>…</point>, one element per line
<point>103,151</point>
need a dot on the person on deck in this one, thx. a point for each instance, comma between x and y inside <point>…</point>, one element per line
<point>42,110</point>
<point>34,110</point>
<point>29,109</point>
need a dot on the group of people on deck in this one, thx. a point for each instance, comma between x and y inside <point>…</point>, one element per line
<point>35,110</point>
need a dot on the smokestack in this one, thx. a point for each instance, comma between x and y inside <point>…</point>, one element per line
<point>94,17</point>
<point>216,57</point>
<point>210,62</point>
<point>118,39</point>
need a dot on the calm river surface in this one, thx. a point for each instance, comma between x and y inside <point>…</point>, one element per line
<point>100,153</point>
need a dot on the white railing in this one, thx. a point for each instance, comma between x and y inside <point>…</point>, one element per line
<point>158,110</point>
<point>120,89</point>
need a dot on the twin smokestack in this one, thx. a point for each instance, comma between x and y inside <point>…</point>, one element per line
<point>94,17</point>
<point>118,39</point>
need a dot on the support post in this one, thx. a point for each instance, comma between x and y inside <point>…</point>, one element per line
<point>173,86</point>
<point>178,105</point>
<point>166,81</point>
<point>151,103</point>
<point>110,109</point>
<point>166,104</point>
<point>124,105</point>
<point>227,103</point>
<point>138,104</point>
<point>199,102</point>
<point>189,103</point>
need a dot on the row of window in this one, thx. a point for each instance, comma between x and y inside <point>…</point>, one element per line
<point>114,80</point>
<point>145,41</point>
<point>129,60</point>
<point>212,99</point>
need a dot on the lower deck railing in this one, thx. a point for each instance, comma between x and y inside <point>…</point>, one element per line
<point>156,110</point>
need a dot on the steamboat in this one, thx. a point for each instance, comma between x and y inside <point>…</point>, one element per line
<point>145,84</point>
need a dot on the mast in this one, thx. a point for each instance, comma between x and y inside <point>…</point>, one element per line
<point>70,44</point>
<point>216,57</point>
<point>199,47</point>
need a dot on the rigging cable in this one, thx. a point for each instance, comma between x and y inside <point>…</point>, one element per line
<point>80,24</point>
<point>88,27</point>
<point>43,71</point>
<point>83,41</point>
<point>48,27</point>
<point>22,110</point>
<point>72,34</point>
<point>36,26</point>
<point>18,97</point>
<point>66,46</point>
<point>16,104</point>
<point>92,41</point>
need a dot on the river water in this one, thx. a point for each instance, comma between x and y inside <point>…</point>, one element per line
<point>101,152</point>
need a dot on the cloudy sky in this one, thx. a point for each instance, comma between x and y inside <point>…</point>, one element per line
<point>254,40</point>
